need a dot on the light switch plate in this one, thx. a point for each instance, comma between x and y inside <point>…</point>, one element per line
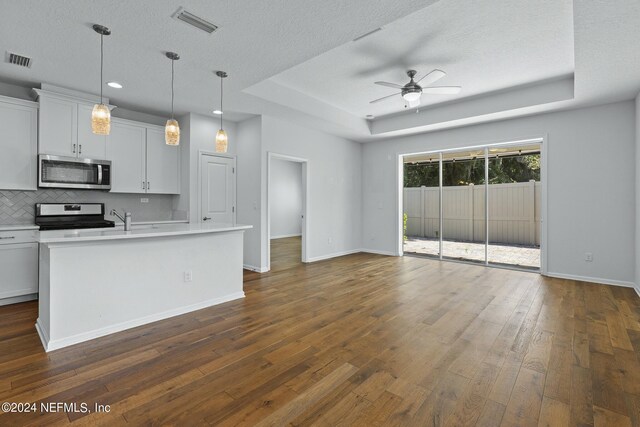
<point>144,200</point>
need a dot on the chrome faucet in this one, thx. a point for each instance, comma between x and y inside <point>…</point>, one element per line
<point>126,219</point>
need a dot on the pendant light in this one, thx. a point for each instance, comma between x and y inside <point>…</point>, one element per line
<point>172,129</point>
<point>101,115</point>
<point>222,142</point>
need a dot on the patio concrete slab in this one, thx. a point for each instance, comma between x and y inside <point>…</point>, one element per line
<point>520,256</point>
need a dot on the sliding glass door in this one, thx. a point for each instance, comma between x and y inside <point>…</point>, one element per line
<point>463,205</point>
<point>514,206</point>
<point>480,205</point>
<point>421,203</point>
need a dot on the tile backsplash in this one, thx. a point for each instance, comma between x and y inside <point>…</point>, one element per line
<point>18,207</point>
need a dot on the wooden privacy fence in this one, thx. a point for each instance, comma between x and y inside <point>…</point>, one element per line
<point>514,212</point>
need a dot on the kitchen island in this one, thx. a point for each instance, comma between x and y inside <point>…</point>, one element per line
<point>100,281</point>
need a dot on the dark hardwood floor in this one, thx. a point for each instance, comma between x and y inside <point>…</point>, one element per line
<point>358,340</point>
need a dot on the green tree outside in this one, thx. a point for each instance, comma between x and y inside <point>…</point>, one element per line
<point>502,170</point>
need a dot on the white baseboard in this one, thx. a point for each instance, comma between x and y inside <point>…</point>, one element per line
<point>256,269</point>
<point>637,289</point>
<point>50,345</point>
<point>598,280</point>
<point>333,255</point>
<point>284,236</point>
<point>378,252</point>
<point>21,298</point>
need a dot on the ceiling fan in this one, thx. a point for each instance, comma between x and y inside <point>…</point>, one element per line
<point>412,91</point>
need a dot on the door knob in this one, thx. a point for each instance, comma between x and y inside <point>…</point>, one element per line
<point>206,218</point>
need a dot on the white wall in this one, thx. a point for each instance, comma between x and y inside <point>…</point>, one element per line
<point>334,174</point>
<point>249,187</point>
<point>335,185</point>
<point>637,193</point>
<point>589,152</point>
<point>286,198</point>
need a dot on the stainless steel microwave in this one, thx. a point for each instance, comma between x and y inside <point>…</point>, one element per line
<point>69,172</point>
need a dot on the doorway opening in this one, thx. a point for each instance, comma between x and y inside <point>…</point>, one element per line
<point>286,211</point>
<point>481,205</point>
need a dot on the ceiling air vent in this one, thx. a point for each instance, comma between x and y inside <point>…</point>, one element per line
<point>20,60</point>
<point>194,21</point>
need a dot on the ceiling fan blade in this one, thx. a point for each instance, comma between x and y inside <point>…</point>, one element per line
<point>393,85</point>
<point>432,77</point>
<point>442,90</point>
<point>383,98</point>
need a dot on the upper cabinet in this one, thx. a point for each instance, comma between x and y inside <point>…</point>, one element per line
<point>126,145</point>
<point>18,144</point>
<point>141,162</point>
<point>90,145</point>
<point>65,128</point>
<point>163,164</point>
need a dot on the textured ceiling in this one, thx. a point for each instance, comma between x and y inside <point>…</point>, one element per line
<point>256,40</point>
<point>483,45</point>
<point>296,59</point>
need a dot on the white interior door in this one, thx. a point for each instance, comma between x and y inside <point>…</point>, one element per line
<point>217,189</point>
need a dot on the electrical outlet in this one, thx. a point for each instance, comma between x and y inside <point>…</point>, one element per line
<point>588,257</point>
<point>144,200</point>
<point>188,276</point>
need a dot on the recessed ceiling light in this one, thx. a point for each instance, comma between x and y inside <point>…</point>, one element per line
<point>370,116</point>
<point>114,85</point>
<point>218,112</point>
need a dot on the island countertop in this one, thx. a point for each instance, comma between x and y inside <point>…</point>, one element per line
<point>138,232</point>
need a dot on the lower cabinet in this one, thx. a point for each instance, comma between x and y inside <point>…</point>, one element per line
<point>18,270</point>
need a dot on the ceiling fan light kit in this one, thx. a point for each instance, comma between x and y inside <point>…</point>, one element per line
<point>412,91</point>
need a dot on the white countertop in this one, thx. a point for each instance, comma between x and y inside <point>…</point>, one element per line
<point>134,223</point>
<point>139,231</point>
<point>16,227</point>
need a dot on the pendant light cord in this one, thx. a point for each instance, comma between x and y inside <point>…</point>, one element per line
<point>172,61</point>
<point>101,65</point>
<point>221,112</point>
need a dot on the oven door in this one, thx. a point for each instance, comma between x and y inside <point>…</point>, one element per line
<point>69,172</point>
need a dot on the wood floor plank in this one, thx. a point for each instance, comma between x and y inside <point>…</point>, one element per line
<point>361,340</point>
<point>554,413</point>
<point>308,398</point>
<point>526,399</point>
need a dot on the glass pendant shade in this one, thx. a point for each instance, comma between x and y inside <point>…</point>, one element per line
<point>101,120</point>
<point>221,141</point>
<point>172,132</point>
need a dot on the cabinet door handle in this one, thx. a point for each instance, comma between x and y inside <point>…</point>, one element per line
<point>7,237</point>
<point>143,186</point>
<point>74,148</point>
<point>148,185</point>
<point>80,149</point>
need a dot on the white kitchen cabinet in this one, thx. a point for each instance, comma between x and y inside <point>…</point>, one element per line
<point>18,144</point>
<point>65,127</point>
<point>90,145</point>
<point>126,146</point>
<point>18,264</point>
<point>163,164</point>
<point>58,126</point>
<point>141,162</point>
